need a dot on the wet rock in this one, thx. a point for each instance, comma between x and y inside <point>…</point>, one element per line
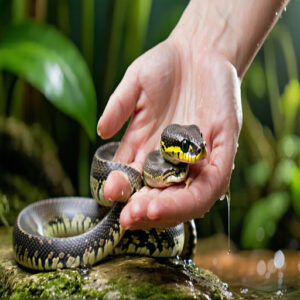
<point>116,278</point>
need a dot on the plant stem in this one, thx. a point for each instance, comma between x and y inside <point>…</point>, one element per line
<point>18,10</point>
<point>63,16</point>
<point>272,83</point>
<point>87,38</point>
<point>136,28</point>
<point>118,18</point>
<point>284,38</point>
<point>2,95</point>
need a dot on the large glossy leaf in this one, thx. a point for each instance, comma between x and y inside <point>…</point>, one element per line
<point>51,63</point>
<point>262,218</point>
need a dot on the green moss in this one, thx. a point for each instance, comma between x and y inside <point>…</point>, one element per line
<point>49,285</point>
<point>143,290</point>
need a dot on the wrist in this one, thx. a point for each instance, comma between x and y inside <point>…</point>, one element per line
<point>234,29</point>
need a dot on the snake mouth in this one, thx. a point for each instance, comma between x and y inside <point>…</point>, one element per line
<point>171,179</point>
<point>191,158</point>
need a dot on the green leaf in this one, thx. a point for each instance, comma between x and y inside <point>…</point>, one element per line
<point>262,218</point>
<point>289,104</point>
<point>258,173</point>
<point>255,79</point>
<point>289,146</point>
<point>51,63</point>
<point>283,172</point>
<point>295,188</point>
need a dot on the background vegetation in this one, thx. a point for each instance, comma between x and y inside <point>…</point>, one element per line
<point>61,59</point>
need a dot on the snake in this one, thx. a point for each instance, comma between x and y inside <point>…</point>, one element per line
<point>72,232</point>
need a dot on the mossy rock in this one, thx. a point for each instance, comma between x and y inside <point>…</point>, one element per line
<point>115,278</point>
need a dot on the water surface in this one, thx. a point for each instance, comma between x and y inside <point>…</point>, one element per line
<point>257,274</point>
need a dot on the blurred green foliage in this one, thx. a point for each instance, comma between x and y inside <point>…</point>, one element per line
<point>51,63</point>
<point>74,52</point>
<point>269,156</point>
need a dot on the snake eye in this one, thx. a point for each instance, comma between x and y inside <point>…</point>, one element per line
<point>185,146</point>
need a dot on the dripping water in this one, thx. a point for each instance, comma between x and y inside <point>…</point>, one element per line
<point>228,223</point>
<point>227,196</point>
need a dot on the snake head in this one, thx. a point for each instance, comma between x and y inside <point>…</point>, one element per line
<point>181,143</point>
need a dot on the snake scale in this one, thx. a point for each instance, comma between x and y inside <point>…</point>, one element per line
<point>70,232</point>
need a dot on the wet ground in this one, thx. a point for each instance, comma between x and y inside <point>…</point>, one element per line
<point>258,274</point>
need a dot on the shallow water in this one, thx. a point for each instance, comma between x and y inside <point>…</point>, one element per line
<point>257,274</point>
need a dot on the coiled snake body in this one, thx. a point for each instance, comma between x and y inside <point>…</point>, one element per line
<point>70,232</point>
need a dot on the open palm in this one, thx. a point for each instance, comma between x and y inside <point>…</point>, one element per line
<point>172,84</point>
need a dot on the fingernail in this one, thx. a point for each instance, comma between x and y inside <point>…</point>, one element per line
<point>126,220</point>
<point>98,127</point>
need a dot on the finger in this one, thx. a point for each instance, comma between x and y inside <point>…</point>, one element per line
<point>134,213</point>
<point>120,105</point>
<point>117,187</point>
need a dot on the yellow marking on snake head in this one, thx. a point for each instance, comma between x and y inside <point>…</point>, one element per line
<point>176,152</point>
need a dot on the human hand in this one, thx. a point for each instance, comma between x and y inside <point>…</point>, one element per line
<point>191,78</point>
<point>168,85</point>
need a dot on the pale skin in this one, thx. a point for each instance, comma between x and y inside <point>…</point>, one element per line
<point>193,77</point>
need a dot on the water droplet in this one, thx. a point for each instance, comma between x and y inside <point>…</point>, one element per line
<point>85,272</point>
<point>276,13</point>
<point>215,261</point>
<point>271,267</point>
<point>279,293</point>
<point>222,197</point>
<point>228,223</point>
<point>233,166</point>
<point>279,259</point>
<point>261,267</point>
<point>244,290</point>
